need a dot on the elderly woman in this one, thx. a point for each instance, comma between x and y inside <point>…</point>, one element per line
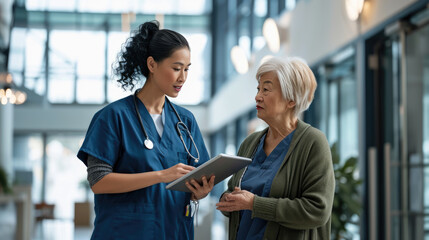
<point>287,191</point>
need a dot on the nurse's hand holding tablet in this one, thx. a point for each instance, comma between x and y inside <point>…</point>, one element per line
<point>175,172</point>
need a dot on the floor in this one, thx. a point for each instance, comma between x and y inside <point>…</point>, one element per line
<point>64,229</point>
<point>60,229</point>
<point>44,230</point>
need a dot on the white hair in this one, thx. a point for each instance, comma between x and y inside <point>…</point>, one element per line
<point>296,80</point>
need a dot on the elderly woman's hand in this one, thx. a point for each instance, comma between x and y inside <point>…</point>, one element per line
<point>200,191</point>
<point>235,201</point>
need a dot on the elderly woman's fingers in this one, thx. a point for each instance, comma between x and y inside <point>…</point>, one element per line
<point>225,206</point>
<point>242,199</point>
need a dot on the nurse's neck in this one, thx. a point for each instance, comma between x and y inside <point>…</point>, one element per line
<point>152,98</point>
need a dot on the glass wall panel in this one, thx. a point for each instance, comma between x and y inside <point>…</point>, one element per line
<point>196,88</point>
<point>336,99</point>
<point>90,90</point>
<point>77,55</point>
<point>348,117</point>
<point>333,113</point>
<point>114,45</point>
<point>61,88</point>
<point>34,60</point>
<point>16,54</point>
<point>28,157</point>
<point>65,174</point>
<point>260,13</point>
<point>187,7</point>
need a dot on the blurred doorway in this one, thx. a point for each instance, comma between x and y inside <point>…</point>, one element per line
<point>397,137</point>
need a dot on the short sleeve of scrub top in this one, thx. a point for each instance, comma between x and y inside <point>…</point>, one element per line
<point>102,139</point>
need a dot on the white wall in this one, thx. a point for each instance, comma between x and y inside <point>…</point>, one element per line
<point>319,27</point>
<point>315,29</point>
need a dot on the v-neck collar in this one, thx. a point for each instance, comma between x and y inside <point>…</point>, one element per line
<point>149,124</point>
<point>301,128</point>
<point>276,151</point>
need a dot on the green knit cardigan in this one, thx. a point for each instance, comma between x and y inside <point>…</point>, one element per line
<point>300,201</point>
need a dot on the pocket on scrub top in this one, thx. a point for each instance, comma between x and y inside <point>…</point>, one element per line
<point>129,226</point>
<point>183,157</point>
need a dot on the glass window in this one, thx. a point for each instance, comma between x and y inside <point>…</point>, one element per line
<point>187,7</point>
<point>195,88</point>
<point>115,41</point>
<point>16,54</point>
<point>333,114</point>
<point>34,60</point>
<point>61,88</point>
<point>348,117</point>
<point>28,157</point>
<point>260,8</point>
<point>52,5</point>
<point>80,55</point>
<point>90,90</point>
<point>65,174</point>
<point>290,4</point>
<point>80,61</point>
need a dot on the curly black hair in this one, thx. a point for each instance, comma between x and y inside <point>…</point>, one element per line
<point>147,40</point>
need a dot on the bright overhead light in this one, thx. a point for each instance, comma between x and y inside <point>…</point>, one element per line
<point>354,8</point>
<point>239,59</point>
<point>271,34</point>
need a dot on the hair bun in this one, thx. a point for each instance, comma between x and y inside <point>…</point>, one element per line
<point>148,29</point>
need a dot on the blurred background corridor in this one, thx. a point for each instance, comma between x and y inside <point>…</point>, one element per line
<point>370,58</point>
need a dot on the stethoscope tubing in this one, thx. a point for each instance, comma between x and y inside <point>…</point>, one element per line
<point>149,144</point>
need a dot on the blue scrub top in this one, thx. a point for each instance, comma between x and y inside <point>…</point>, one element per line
<point>115,137</point>
<point>258,179</point>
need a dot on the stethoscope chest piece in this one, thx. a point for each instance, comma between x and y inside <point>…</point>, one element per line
<point>148,144</point>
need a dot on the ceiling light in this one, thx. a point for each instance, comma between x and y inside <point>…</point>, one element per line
<point>354,8</point>
<point>7,94</point>
<point>271,34</point>
<point>239,59</point>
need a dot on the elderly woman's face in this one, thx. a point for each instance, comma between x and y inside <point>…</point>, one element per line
<point>269,100</point>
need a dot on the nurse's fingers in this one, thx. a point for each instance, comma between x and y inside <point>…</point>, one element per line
<point>196,185</point>
<point>191,188</point>
<point>211,182</point>
<point>175,172</point>
<point>185,167</point>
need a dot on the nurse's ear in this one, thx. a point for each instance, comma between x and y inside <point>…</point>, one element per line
<point>151,64</point>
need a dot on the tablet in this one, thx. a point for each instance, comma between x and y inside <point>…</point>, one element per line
<point>222,166</point>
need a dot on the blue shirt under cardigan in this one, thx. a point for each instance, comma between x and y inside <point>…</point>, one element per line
<point>257,179</point>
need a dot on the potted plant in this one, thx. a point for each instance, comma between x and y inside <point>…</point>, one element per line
<point>347,199</point>
<point>4,183</point>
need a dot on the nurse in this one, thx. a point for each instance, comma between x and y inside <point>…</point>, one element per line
<point>138,144</point>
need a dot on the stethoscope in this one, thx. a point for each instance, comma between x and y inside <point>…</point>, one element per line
<point>180,126</point>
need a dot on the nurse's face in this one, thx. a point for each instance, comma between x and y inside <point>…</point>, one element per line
<point>170,74</point>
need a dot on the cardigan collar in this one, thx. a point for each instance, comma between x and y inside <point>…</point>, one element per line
<point>301,128</point>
